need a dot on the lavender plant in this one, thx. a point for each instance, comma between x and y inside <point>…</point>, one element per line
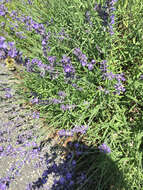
<point>83,52</point>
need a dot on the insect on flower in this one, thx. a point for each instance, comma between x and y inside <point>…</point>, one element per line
<point>10,63</point>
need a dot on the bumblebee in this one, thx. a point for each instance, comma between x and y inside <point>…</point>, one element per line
<point>10,64</point>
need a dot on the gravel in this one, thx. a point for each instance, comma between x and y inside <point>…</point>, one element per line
<point>22,161</point>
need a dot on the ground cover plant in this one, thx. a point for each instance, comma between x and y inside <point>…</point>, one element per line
<point>83,72</point>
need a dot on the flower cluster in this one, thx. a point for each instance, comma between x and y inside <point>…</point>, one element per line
<point>107,74</point>
<point>45,42</point>
<point>30,25</point>
<point>3,10</point>
<point>8,94</point>
<point>42,67</point>
<point>106,14</point>
<point>103,13</point>
<point>62,94</point>
<point>88,19</point>
<point>83,59</point>
<point>61,35</point>
<point>67,107</point>
<point>36,115</point>
<point>112,16</point>
<point>46,102</point>
<point>7,49</point>
<point>77,129</point>
<point>68,67</point>
<point>104,148</point>
<point>66,175</point>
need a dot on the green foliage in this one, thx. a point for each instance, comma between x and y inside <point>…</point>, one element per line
<point>115,119</point>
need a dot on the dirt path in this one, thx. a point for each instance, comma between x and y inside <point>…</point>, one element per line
<point>22,161</point>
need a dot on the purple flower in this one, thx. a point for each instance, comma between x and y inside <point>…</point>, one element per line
<point>90,66</point>
<point>93,61</point>
<point>43,43</point>
<point>68,176</point>
<point>62,93</point>
<point>82,57</point>
<point>62,132</point>
<point>8,95</point>
<point>2,186</point>
<point>30,2</point>
<point>36,115</point>
<point>111,30</point>
<point>141,77</point>
<point>120,77</point>
<point>56,101</point>
<point>109,75</point>
<point>119,88</point>
<point>2,42</point>
<point>103,66</point>
<point>104,148</point>
<point>68,68</point>
<point>11,44</point>
<point>81,129</point>
<point>35,100</point>
<point>73,163</point>
<point>63,107</point>
<point>2,54</point>
<point>65,59</point>
<point>62,180</point>
<point>12,52</point>
<point>77,52</point>
<point>2,39</point>
<point>52,59</point>
<point>87,15</point>
<point>112,17</point>
<point>1,148</point>
<point>112,2</point>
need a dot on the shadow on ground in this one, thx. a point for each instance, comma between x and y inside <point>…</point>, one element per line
<point>82,168</point>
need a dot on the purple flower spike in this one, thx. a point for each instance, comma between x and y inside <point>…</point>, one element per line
<point>90,66</point>
<point>62,180</point>
<point>109,75</point>
<point>35,100</point>
<point>104,148</point>
<point>2,39</point>
<point>63,107</point>
<point>11,44</point>
<point>65,59</point>
<point>2,186</point>
<point>51,59</point>
<point>68,68</point>
<point>62,132</point>
<point>1,148</point>
<point>141,77</point>
<point>36,115</point>
<point>68,176</point>
<point>62,93</point>
<point>8,95</point>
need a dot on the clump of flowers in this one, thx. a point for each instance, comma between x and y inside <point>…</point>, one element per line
<point>107,74</point>
<point>104,148</point>
<point>36,115</point>
<point>106,13</point>
<point>8,93</point>
<point>88,19</point>
<point>83,59</point>
<point>66,174</point>
<point>77,129</point>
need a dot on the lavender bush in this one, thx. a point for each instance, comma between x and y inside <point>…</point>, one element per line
<point>83,67</point>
